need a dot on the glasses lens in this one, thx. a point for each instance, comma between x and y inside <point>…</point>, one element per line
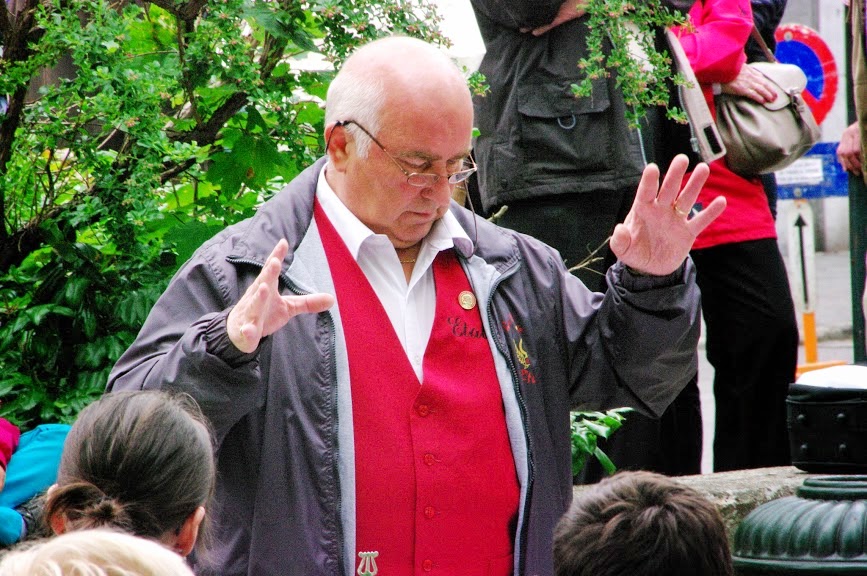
<point>461,176</point>
<point>422,180</point>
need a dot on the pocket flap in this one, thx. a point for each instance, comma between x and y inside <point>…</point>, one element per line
<point>555,100</point>
<point>786,79</point>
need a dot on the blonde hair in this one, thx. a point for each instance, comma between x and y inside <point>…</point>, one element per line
<point>95,552</point>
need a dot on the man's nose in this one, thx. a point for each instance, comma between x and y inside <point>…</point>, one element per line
<point>441,190</point>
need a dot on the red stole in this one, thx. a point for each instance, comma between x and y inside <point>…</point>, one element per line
<point>436,486</point>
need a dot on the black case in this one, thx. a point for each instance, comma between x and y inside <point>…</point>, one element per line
<point>827,429</point>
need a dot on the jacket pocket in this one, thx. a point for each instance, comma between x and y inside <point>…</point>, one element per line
<point>562,134</point>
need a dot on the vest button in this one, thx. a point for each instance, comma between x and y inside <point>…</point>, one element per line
<point>429,512</point>
<point>427,565</point>
<point>423,410</point>
<point>430,459</point>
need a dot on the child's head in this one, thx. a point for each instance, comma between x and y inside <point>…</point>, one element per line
<point>641,523</point>
<point>141,462</point>
<point>94,553</point>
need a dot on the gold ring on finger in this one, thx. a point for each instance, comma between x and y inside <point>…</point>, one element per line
<point>679,211</point>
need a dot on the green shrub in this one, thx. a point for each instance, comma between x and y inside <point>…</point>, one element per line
<point>160,124</point>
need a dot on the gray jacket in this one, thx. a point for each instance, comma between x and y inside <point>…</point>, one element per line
<point>536,138</point>
<point>285,492</point>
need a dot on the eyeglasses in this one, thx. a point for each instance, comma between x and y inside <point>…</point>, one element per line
<point>418,179</point>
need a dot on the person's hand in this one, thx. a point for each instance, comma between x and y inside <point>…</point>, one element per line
<point>658,233</point>
<point>569,10</point>
<point>2,478</point>
<point>849,149</point>
<point>262,310</point>
<point>752,84</point>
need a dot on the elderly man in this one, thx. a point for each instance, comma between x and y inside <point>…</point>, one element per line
<point>390,377</point>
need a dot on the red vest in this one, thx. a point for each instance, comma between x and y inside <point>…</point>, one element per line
<point>436,487</point>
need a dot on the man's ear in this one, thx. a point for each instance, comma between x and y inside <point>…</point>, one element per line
<point>338,144</point>
<point>189,532</point>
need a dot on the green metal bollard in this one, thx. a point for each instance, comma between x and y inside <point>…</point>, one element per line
<point>820,530</point>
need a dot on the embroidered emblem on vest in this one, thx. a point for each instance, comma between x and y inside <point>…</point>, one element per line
<point>367,566</point>
<point>461,329</point>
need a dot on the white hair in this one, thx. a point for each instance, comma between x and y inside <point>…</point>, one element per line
<point>358,97</point>
<point>394,64</point>
<point>94,553</point>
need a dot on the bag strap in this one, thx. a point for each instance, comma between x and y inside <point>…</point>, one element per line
<point>705,138</point>
<point>761,42</point>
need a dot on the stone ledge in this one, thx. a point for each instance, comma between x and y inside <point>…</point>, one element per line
<point>737,493</point>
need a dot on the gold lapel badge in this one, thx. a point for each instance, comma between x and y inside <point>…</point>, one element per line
<point>467,300</point>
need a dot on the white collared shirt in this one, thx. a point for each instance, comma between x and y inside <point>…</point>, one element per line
<point>410,306</point>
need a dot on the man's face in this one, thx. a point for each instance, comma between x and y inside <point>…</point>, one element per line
<point>377,191</point>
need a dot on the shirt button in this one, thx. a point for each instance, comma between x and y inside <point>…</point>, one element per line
<point>427,565</point>
<point>429,512</point>
<point>423,410</point>
<point>429,459</point>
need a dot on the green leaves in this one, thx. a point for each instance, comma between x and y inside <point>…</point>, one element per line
<point>621,38</point>
<point>252,161</point>
<point>587,428</point>
<point>161,126</point>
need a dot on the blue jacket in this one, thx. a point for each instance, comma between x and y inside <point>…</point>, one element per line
<point>285,488</point>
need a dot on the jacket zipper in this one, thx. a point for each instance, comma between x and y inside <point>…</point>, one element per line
<point>336,462</point>
<point>523,406</point>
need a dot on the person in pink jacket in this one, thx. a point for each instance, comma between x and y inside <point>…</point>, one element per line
<point>752,334</point>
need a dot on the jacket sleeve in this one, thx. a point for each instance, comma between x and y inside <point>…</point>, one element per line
<point>9,436</point>
<point>519,13</point>
<point>715,45</point>
<point>182,346</point>
<point>640,347</point>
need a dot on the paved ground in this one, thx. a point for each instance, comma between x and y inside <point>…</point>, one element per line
<point>833,315</point>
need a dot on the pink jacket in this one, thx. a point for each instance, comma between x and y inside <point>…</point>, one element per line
<point>715,49</point>
<point>9,436</point>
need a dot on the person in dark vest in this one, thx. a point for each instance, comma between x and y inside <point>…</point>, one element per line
<point>389,376</point>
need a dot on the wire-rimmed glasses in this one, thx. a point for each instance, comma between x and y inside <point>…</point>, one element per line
<point>418,179</point>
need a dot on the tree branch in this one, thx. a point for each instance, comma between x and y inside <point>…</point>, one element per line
<point>207,133</point>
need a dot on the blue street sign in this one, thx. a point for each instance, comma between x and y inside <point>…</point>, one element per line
<point>815,175</point>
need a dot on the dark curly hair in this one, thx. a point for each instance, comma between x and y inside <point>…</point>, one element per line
<point>641,524</point>
<point>140,461</point>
